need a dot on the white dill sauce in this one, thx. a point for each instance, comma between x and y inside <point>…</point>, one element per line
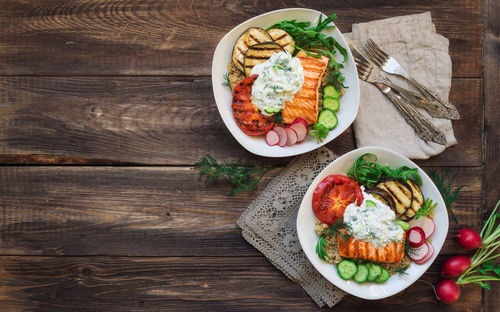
<point>373,222</point>
<point>280,78</point>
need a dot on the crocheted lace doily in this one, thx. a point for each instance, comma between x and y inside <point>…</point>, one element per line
<point>269,224</point>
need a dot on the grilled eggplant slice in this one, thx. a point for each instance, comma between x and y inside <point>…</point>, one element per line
<point>383,196</point>
<point>282,38</point>
<point>250,37</point>
<point>259,53</point>
<point>401,192</point>
<point>418,200</point>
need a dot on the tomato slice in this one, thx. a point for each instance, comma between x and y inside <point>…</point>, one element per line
<point>332,195</point>
<point>246,114</point>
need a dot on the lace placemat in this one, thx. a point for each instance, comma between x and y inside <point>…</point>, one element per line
<point>269,224</point>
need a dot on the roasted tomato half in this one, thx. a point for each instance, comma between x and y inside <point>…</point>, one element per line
<point>246,114</point>
<point>332,195</point>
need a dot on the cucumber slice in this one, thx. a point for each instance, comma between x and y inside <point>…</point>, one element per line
<point>328,119</point>
<point>384,276</point>
<point>331,104</point>
<point>347,269</point>
<point>362,274</point>
<point>374,272</point>
<point>331,92</point>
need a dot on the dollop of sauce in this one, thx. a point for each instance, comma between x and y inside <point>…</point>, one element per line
<point>373,222</point>
<point>280,78</point>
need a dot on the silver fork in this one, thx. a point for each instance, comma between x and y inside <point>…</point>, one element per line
<point>436,106</point>
<point>422,127</point>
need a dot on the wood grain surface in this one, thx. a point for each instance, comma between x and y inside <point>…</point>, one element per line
<point>160,120</point>
<point>98,37</point>
<point>182,284</point>
<point>131,211</point>
<point>106,105</point>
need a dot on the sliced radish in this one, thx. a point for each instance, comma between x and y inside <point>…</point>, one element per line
<point>300,130</point>
<point>292,136</point>
<point>429,254</point>
<point>426,224</point>
<point>272,138</point>
<point>282,134</point>
<point>419,253</point>
<point>416,236</point>
<point>301,121</point>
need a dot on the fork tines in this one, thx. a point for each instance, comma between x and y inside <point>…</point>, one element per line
<point>376,53</point>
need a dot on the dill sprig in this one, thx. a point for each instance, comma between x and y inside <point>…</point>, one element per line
<point>443,183</point>
<point>410,251</point>
<point>242,177</point>
<point>402,270</point>
<point>226,82</point>
<point>426,209</point>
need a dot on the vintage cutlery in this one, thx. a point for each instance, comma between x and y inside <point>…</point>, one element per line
<point>436,106</point>
<point>400,99</point>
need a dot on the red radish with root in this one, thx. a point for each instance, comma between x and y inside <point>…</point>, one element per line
<point>447,291</point>
<point>455,265</point>
<point>468,238</point>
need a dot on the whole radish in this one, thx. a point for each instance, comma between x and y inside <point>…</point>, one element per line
<point>455,265</point>
<point>447,291</point>
<point>468,238</point>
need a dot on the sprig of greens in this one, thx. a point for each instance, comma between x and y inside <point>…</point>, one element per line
<point>368,172</point>
<point>319,132</point>
<point>226,82</point>
<point>426,209</point>
<point>443,183</point>
<point>242,177</point>
<point>482,261</point>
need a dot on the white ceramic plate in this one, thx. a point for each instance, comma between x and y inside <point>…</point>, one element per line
<point>308,237</point>
<point>349,103</point>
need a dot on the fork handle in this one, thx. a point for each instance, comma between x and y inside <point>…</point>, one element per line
<point>432,96</point>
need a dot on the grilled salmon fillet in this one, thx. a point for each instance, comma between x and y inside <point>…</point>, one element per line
<point>305,102</point>
<point>391,253</point>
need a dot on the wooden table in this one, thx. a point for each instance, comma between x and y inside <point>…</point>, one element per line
<point>106,105</point>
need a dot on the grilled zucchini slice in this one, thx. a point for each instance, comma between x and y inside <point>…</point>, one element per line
<point>418,200</point>
<point>259,53</point>
<point>282,38</point>
<point>402,194</point>
<point>251,36</point>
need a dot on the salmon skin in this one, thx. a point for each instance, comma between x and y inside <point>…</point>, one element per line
<point>390,253</point>
<point>305,102</point>
<point>246,114</point>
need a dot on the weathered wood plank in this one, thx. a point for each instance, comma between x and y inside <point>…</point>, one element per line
<point>143,211</point>
<point>182,284</point>
<point>157,120</point>
<point>178,37</point>
<point>491,60</point>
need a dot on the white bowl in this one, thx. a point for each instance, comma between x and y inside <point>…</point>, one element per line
<point>308,238</point>
<point>349,103</point>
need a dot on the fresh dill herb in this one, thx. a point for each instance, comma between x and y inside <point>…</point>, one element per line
<point>410,251</point>
<point>226,82</point>
<point>426,209</point>
<point>278,117</point>
<point>402,270</point>
<point>443,183</point>
<point>242,177</point>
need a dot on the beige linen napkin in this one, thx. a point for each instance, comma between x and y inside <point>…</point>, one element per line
<point>413,42</point>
